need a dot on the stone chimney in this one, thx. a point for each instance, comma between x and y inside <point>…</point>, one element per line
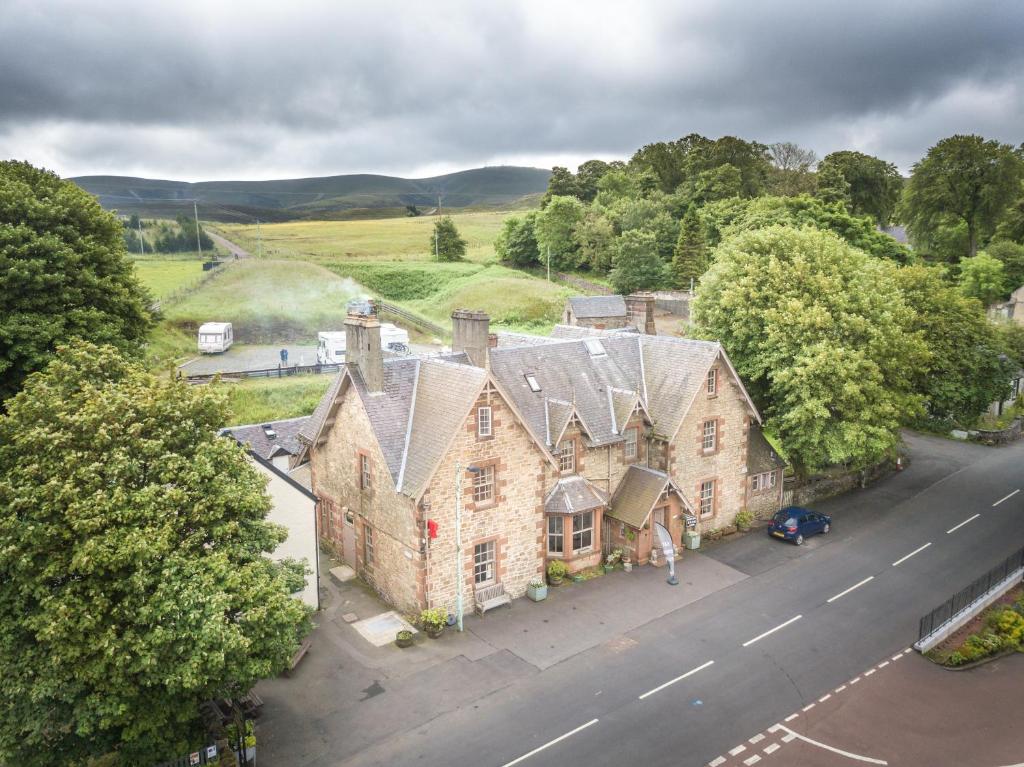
<point>640,309</point>
<point>362,344</point>
<point>471,334</point>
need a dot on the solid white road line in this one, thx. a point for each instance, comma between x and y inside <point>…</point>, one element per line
<point>969,519</point>
<point>847,754</point>
<point>678,678</point>
<point>771,631</point>
<point>855,586</point>
<point>550,743</point>
<point>1006,498</point>
<point>912,553</point>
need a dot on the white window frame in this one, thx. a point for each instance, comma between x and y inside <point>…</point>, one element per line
<point>483,421</point>
<point>531,381</point>
<point>367,546</point>
<point>710,438</point>
<point>485,563</point>
<point>483,485</point>
<point>629,447</point>
<point>567,456</point>
<point>764,481</point>
<point>707,498</point>
<point>556,531</point>
<point>365,475</point>
<point>586,528</point>
<point>712,383</point>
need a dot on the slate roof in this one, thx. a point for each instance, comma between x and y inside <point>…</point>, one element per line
<point>303,475</point>
<point>414,419</point>
<point>761,456</point>
<point>637,493</point>
<point>582,331</point>
<point>574,494</point>
<point>286,437</point>
<point>591,307</point>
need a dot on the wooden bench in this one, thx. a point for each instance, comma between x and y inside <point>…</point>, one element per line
<point>303,649</point>
<point>490,597</point>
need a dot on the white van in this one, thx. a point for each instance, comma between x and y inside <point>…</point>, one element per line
<point>330,348</point>
<point>215,337</point>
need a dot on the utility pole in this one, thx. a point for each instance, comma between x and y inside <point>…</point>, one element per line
<point>549,263</point>
<point>142,243</point>
<point>259,239</point>
<point>199,242</point>
<point>437,254</point>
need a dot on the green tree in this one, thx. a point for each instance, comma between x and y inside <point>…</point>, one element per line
<point>832,186</point>
<point>132,543</point>
<point>1011,224</point>
<point>983,277</point>
<point>1011,255</point>
<point>180,237</point>
<point>690,260</point>
<point>445,243</point>
<point>637,263</point>
<point>718,183</point>
<point>816,329</point>
<point>875,184</point>
<point>962,178</point>
<point>964,372</point>
<point>561,184</point>
<point>792,169</point>
<point>516,244</point>
<point>587,177</point>
<point>595,238</point>
<point>555,228</point>
<point>63,274</point>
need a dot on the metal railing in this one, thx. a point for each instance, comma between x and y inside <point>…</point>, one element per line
<point>281,371</point>
<point>967,597</point>
<point>385,308</point>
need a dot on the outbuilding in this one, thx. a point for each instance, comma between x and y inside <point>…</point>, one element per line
<point>215,337</point>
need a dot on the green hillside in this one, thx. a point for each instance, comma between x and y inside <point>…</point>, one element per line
<point>322,197</point>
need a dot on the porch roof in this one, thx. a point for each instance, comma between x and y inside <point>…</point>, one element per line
<point>637,494</point>
<point>574,494</point>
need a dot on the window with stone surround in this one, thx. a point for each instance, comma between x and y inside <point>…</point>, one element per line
<point>483,422</point>
<point>629,446</point>
<point>763,481</point>
<point>367,546</point>
<point>483,563</point>
<point>483,485</point>
<point>707,498</point>
<point>364,471</point>
<point>710,436</point>
<point>712,382</point>
<point>582,531</point>
<point>567,456</point>
<point>556,535</point>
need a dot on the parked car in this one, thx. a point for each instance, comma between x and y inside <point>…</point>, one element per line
<point>795,524</point>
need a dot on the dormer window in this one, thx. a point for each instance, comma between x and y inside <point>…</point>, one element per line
<point>531,380</point>
<point>483,422</point>
<point>712,381</point>
<point>567,456</point>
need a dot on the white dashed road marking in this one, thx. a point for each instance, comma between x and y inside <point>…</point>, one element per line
<point>823,698</point>
<point>752,760</point>
<point>847,754</point>
<point>901,560</point>
<point>772,631</point>
<point>772,748</point>
<point>1006,498</point>
<point>716,761</point>
<point>957,527</point>
<point>738,750</point>
<point>840,688</point>
<point>678,678</point>
<point>791,717</point>
<point>560,738</point>
<point>855,586</point>
<point>756,739</point>
<point>808,707</point>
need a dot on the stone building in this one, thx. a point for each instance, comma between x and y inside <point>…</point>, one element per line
<point>479,467</point>
<point>611,312</point>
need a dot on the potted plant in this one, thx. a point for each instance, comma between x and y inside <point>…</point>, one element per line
<point>744,519</point>
<point>627,561</point>
<point>556,572</point>
<point>537,589</point>
<point>248,742</point>
<point>404,638</point>
<point>433,621</point>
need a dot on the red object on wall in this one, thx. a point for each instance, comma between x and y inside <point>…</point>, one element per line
<point>431,528</point>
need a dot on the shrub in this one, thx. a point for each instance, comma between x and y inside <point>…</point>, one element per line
<point>434,618</point>
<point>956,658</point>
<point>1008,624</point>
<point>557,569</point>
<point>744,519</point>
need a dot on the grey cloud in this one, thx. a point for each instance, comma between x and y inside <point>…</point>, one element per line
<point>207,90</point>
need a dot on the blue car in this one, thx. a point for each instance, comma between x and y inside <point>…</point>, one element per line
<point>795,524</point>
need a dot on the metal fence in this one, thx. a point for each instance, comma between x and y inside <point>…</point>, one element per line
<point>397,311</point>
<point>204,755</point>
<point>281,371</point>
<point>968,596</point>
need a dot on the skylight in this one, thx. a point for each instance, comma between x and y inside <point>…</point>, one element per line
<point>532,381</point>
<point>594,346</point>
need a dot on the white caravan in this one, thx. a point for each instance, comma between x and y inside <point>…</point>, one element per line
<point>215,337</point>
<point>331,344</point>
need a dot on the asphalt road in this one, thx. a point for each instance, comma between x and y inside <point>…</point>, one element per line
<point>697,681</point>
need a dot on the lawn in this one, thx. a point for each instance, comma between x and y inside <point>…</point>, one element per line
<point>258,400</point>
<point>268,301</point>
<point>165,277</point>
<point>387,239</point>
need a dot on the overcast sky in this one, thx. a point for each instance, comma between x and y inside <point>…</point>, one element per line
<point>201,89</point>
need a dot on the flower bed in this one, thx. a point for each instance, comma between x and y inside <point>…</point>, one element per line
<point>998,630</point>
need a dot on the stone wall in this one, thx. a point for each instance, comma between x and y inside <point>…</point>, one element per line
<point>764,503</point>
<point>514,521</point>
<point>727,464</point>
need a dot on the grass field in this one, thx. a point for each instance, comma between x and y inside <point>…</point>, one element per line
<point>268,301</point>
<point>164,277</point>
<point>268,399</point>
<point>386,239</point>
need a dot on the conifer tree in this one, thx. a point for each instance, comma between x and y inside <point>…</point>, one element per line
<point>690,260</point>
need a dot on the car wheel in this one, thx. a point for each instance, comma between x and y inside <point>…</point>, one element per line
<point>799,540</point>
<point>826,528</point>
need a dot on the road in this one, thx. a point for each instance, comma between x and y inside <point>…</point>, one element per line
<point>236,250</point>
<point>696,682</point>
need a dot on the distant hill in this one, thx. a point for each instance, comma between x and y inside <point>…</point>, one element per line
<point>325,197</point>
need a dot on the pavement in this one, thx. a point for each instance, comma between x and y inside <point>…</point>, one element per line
<point>630,677</point>
<point>242,357</point>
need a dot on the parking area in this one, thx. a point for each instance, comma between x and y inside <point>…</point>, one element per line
<point>906,712</point>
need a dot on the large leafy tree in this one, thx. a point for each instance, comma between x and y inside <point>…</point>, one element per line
<point>637,265</point>
<point>554,228</point>
<point>818,330</point>
<point>588,175</point>
<point>792,166</point>
<point>875,184</point>
<point>962,179</point>
<point>562,183</point>
<point>595,238</point>
<point>1011,255</point>
<point>832,188</point>
<point>446,244</point>
<point>983,277</point>
<point>132,558</point>
<point>966,369</point>
<point>690,259</point>
<point>63,274</point>
<point>516,244</point>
